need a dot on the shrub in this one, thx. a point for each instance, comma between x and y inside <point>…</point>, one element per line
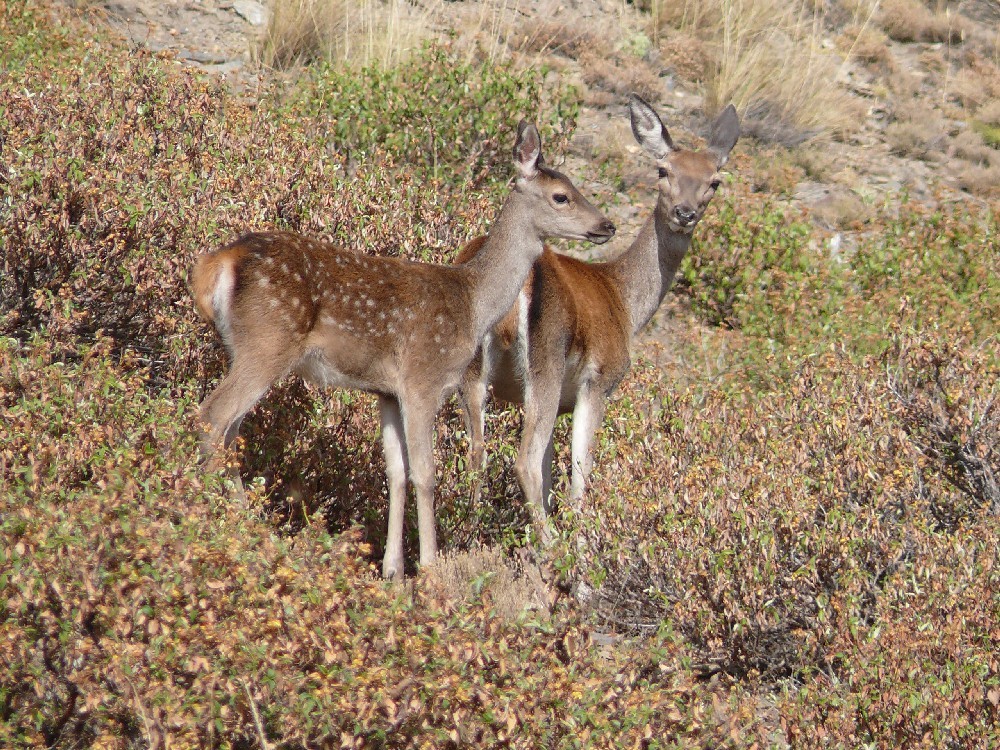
<point>142,607</point>
<point>753,267</point>
<point>756,271</point>
<point>436,113</point>
<point>797,550</point>
<point>948,407</point>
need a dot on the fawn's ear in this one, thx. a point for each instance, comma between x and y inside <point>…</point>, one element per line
<point>527,150</point>
<point>725,133</point>
<point>648,129</point>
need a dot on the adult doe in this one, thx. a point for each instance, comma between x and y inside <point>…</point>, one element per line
<point>403,330</point>
<point>564,346</point>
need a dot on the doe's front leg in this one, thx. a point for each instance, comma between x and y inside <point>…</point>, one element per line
<point>587,417</point>
<point>534,459</point>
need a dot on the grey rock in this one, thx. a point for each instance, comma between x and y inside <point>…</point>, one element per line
<point>251,11</point>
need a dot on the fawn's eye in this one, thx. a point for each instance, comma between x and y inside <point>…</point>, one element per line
<point>662,172</point>
<point>560,198</point>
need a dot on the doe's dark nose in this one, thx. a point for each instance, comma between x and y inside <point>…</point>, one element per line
<point>685,215</point>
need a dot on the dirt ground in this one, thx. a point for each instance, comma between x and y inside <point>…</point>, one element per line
<point>216,35</point>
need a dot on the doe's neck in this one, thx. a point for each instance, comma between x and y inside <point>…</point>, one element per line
<point>645,272</point>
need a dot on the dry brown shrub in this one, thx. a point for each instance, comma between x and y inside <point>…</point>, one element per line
<point>977,84</point>
<point>818,161</point>
<point>773,171</point>
<point>969,145</point>
<point>913,21</point>
<point>866,44</point>
<point>903,84</point>
<point>981,180</point>
<point>687,54</point>
<point>989,113</point>
<point>916,131</point>
<point>935,60</point>
<point>621,77</point>
<point>840,208</point>
<point>919,140</point>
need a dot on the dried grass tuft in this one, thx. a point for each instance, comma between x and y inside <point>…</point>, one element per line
<point>917,131</point>
<point>355,32</point>
<point>970,146</point>
<point>920,140</point>
<point>913,21</point>
<point>983,181</point>
<point>547,35</point>
<point>977,84</point>
<point>770,59</point>
<point>487,574</point>
<point>867,45</point>
<point>687,54</point>
<point>989,114</point>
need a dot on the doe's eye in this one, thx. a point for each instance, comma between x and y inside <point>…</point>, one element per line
<point>715,184</point>
<point>560,198</point>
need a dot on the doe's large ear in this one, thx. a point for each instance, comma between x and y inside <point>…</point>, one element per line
<point>648,128</point>
<point>725,133</point>
<point>527,150</point>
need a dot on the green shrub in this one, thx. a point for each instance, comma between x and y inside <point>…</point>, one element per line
<point>436,113</point>
<point>931,270</point>
<point>744,261</point>
<point>778,283</point>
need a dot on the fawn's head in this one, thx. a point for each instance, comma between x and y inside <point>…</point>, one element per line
<point>687,179</point>
<point>560,210</point>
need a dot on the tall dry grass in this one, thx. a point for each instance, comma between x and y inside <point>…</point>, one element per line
<point>770,58</point>
<point>355,32</point>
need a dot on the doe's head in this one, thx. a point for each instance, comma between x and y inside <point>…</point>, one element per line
<point>687,179</point>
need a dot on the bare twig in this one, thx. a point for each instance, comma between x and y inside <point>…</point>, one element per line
<point>264,744</point>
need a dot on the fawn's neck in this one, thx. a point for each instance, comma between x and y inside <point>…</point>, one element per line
<point>499,269</point>
<point>645,271</point>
